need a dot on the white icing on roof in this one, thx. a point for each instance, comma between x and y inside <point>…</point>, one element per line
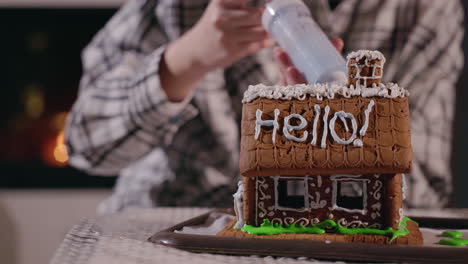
<point>369,54</point>
<point>322,90</point>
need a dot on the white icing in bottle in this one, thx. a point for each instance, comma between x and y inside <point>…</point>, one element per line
<point>364,127</point>
<point>287,128</point>
<point>259,122</point>
<point>314,128</point>
<point>343,115</point>
<point>291,25</point>
<point>325,127</point>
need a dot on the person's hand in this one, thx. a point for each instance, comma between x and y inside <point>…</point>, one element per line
<point>290,75</point>
<point>228,31</point>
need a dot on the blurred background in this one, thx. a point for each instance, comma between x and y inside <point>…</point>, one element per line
<point>41,197</point>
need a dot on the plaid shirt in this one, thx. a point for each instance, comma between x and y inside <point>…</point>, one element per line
<point>187,153</point>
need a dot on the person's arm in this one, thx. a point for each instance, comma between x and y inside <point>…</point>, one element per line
<point>429,65</point>
<point>227,31</point>
<point>135,91</point>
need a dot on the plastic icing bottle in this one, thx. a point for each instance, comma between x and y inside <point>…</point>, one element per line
<point>290,23</point>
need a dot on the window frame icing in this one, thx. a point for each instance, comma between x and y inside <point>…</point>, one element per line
<point>348,178</point>
<point>305,180</point>
<point>341,198</point>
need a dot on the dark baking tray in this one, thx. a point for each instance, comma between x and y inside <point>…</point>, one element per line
<point>317,249</point>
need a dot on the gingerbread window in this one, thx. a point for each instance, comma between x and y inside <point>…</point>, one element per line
<point>349,195</point>
<point>291,193</point>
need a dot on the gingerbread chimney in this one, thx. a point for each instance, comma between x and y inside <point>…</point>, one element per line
<point>365,68</point>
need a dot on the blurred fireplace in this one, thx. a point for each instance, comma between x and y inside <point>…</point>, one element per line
<point>40,71</point>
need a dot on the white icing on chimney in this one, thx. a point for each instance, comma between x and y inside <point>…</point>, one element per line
<point>369,54</point>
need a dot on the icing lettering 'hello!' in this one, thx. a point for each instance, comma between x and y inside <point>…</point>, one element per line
<point>288,128</point>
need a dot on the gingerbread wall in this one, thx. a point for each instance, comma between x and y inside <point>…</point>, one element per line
<point>383,202</point>
<point>386,144</point>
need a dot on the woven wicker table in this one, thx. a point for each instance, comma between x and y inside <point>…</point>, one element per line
<point>121,238</point>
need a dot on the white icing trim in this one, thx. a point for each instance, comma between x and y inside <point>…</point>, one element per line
<point>277,220</point>
<point>352,224</point>
<point>321,91</point>
<point>403,186</point>
<point>256,201</point>
<point>375,225</point>
<point>342,116</point>
<point>301,221</point>
<point>364,127</point>
<point>335,194</point>
<point>358,143</point>
<point>325,127</point>
<point>343,119</point>
<point>287,128</point>
<point>261,186</point>
<point>259,122</point>
<point>339,176</point>
<point>400,214</point>
<point>238,205</point>
<point>305,180</point>
<point>315,202</point>
<point>314,128</point>
<point>377,186</point>
<point>306,191</point>
<point>369,54</point>
<point>290,220</point>
<point>377,207</point>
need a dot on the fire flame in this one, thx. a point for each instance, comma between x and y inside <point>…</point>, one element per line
<point>60,150</point>
<point>54,151</point>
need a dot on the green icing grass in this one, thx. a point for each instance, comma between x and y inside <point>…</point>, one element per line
<point>268,228</point>
<point>457,242</point>
<point>452,234</point>
<point>454,239</point>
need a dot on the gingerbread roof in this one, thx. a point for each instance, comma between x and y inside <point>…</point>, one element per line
<point>386,145</point>
<point>323,129</point>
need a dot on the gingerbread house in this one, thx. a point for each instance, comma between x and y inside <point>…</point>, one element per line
<point>326,153</point>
